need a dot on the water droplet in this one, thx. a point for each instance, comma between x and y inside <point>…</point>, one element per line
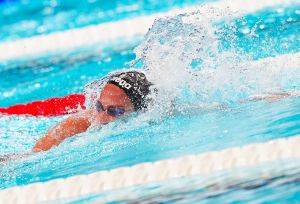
<point>262,26</point>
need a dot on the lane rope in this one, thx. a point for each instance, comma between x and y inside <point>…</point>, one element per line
<point>202,164</point>
<point>56,106</point>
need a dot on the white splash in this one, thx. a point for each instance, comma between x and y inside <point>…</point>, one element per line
<point>185,60</point>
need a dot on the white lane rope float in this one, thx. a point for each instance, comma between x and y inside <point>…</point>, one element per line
<point>123,29</point>
<point>204,164</point>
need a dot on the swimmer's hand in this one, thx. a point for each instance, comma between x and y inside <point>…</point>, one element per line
<point>67,128</point>
<point>272,97</point>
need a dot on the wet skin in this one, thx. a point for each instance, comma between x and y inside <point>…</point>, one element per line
<point>111,96</point>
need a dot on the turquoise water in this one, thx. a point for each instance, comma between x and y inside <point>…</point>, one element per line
<point>269,24</point>
<point>194,128</point>
<point>84,66</point>
<point>24,18</point>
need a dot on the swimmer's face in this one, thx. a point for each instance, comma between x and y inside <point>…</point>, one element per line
<point>113,97</point>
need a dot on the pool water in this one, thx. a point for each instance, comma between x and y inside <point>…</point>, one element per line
<point>21,18</point>
<point>213,118</point>
<point>85,65</point>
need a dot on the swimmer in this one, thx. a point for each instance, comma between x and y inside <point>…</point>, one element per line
<point>124,92</point>
<point>117,95</point>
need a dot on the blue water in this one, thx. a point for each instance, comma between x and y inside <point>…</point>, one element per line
<point>23,18</point>
<point>83,66</point>
<point>138,139</point>
<point>275,33</point>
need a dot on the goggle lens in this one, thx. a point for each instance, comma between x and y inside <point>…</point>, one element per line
<point>112,111</point>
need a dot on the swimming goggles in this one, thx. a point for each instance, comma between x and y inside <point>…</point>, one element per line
<point>112,111</point>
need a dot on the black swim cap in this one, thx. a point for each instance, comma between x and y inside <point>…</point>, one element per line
<point>135,85</point>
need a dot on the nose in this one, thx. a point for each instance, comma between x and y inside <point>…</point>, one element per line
<point>104,118</point>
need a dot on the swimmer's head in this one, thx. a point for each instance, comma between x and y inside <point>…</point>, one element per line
<point>135,85</point>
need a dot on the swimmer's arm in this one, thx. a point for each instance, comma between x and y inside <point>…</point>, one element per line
<point>272,97</point>
<point>67,128</point>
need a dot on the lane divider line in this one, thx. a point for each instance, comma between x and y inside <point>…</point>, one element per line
<point>202,164</point>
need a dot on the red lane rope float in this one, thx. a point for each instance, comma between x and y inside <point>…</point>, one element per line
<point>49,107</point>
